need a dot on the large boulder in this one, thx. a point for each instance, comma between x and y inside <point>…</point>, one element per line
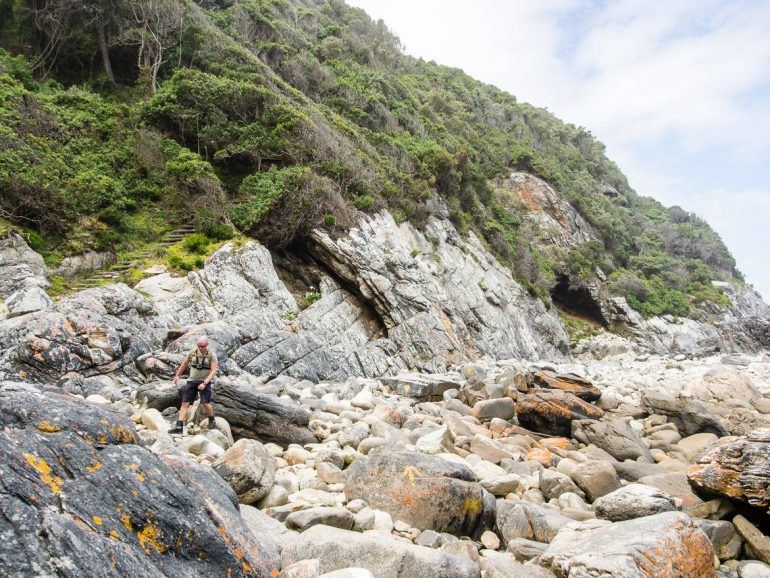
<point>568,382</point>
<point>689,416</point>
<point>383,555</point>
<point>553,411</point>
<point>97,331</point>
<point>76,489</point>
<point>614,436</point>
<point>667,545</point>
<point>262,416</point>
<point>737,468</point>
<point>633,501</point>
<point>249,469</point>
<point>20,267</point>
<point>427,492</point>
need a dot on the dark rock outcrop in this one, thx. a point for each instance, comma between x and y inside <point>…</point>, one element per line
<point>251,414</point>
<point>428,493</point>
<point>553,411</point>
<point>262,416</point>
<point>78,497</point>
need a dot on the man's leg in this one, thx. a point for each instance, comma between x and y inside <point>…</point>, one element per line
<point>210,414</point>
<point>179,427</point>
<point>183,410</point>
<point>206,403</point>
<point>189,395</point>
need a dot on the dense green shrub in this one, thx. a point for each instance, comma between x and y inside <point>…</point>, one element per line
<point>308,110</point>
<point>196,243</point>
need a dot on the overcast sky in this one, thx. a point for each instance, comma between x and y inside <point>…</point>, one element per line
<point>679,91</point>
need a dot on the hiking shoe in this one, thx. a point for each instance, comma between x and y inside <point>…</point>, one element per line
<point>177,429</point>
<point>212,423</point>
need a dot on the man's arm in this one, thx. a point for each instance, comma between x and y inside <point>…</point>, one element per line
<point>212,373</point>
<point>181,369</point>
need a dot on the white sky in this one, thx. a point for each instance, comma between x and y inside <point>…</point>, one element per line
<point>679,91</point>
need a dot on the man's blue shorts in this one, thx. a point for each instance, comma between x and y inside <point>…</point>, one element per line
<point>191,392</point>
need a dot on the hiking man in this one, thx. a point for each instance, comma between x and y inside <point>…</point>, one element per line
<point>203,366</point>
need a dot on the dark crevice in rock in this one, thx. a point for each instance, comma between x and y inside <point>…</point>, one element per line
<point>577,301</point>
<point>302,271</point>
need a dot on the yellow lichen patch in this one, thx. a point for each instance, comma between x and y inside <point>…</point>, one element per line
<point>103,421</point>
<point>149,538</point>
<point>48,427</point>
<point>140,476</point>
<point>54,482</point>
<point>95,466</point>
<point>126,519</point>
<point>114,536</point>
<point>472,505</point>
<point>97,520</point>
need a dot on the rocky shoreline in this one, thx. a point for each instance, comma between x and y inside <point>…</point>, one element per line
<point>413,475</point>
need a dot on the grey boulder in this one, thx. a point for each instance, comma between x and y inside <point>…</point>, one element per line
<point>613,436</point>
<point>633,501</point>
<point>381,554</point>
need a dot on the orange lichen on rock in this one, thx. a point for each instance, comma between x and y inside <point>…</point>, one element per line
<point>149,537</point>
<point>126,519</point>
<point>561,443</point>
<point>540,455</point>
<point>44,470</point>
<point>48,427</point>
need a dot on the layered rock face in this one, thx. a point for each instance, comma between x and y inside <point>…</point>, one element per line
<point>407,303</point>
<point>740,327</point>
<point>442,299</point>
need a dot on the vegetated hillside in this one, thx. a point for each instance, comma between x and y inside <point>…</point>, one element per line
<point>120,119</point>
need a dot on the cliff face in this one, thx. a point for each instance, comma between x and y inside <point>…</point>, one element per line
<point>391,298</point>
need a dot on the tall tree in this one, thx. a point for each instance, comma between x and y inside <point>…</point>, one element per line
<point>158,26</point>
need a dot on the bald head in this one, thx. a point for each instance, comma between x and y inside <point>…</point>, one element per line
<point>203,342</point>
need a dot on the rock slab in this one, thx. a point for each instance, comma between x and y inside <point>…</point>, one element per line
<point>75,486</point>
<point>667,545</point>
